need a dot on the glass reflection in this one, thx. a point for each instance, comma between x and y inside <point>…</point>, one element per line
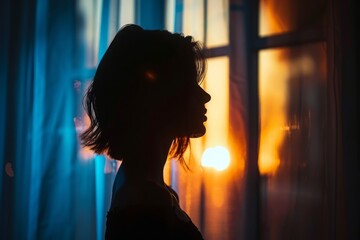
<point>276,16</point>
<point>292,89</point>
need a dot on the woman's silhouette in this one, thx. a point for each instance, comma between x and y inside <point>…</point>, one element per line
<point>144,104</point>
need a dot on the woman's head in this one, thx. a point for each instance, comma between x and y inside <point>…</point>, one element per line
<point>146,84</point>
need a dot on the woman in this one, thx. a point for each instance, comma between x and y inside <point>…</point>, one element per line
<point>144,104</point>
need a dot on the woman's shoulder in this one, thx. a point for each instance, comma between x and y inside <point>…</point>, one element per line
<point>145,193</point>
<point>147,210</point>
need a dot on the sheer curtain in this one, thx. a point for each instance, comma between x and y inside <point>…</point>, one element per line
<point>48,189</point>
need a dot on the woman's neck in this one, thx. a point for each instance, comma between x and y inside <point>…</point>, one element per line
<point>147,161</point>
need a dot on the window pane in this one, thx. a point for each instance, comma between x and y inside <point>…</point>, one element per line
<point>193,19</point>
<point>217,24</point>
<point>292,89</point>
<point>217,84</point>
<point>278,16</point>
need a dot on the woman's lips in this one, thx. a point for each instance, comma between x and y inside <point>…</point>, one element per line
<point>204,116</point>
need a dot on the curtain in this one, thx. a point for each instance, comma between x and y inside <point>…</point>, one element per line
<point>50,187</point>
<point>47,190</point>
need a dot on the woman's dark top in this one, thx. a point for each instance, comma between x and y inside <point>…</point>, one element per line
<point>149,212</point>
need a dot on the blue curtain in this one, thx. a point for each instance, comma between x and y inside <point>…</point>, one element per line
<point>47,191</point>
<point>150,14</point>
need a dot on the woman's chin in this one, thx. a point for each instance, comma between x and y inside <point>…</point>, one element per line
<point>197,135</point>
<point>199,132</point>
<point>192,131</point>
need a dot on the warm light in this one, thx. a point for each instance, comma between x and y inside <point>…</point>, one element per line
<point>268,23</point>
<point>274,75</point>
<point>268,161</point>
<point>217,157</point>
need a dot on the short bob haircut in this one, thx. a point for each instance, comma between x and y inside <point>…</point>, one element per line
<point>123,73</point>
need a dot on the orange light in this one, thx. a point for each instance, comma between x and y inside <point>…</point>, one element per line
<point>273,85</point>
<point>217,157</point>
<point>217,126</point>
<point>275,75</point>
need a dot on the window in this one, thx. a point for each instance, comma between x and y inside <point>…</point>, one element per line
<point>292,90</point>
<point>211,192</point>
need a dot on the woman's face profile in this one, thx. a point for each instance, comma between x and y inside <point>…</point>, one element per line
<point>190,107</point>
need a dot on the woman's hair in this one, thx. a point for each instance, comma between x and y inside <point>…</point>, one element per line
<point>134,63</point>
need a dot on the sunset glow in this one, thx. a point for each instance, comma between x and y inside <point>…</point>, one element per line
<point>217,157</point>
<point>217,84</point>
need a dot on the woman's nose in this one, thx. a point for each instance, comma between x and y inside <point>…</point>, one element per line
<point>205,96</point>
